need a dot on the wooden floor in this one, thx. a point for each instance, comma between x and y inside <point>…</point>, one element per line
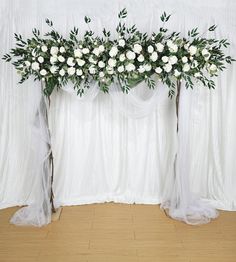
<point>118,232</point>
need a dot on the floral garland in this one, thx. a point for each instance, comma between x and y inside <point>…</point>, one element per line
<point>130,59</point>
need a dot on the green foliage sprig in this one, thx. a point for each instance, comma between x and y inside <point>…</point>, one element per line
<point>131,58</point>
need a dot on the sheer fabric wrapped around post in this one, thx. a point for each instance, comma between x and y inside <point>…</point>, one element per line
<point>38,213</point>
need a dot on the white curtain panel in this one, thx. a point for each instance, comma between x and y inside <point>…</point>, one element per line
<point>111,147</point>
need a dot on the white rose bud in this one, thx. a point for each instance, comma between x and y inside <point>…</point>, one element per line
<point>154,56</point>
<point>197,74</point>
<point>213,68</point>
<point>80,62</point>
<point>92,70</point>
<point>140,58</point>
<point>40,59</point>
<point>101,74</point>
<point>54,50</point>
<point>130,67</point>
<point>170,43</point>
<point>121,42</point>
<point>101,64</point>
<point>101,48</point>
<point>43,72</point>
<point>61,58</point>
<point>79,72</point>
<point>78,53</point>
<point>71,71</point>
<point>96,51</point>
<point>137,48</point>
<point>121,69</point>
<point>85,51</point>
<point>167,67</point>
<point>112,62</point>
<point>165,59</point>
<point>160,47</point>
<point>70,61</point>
<point>53,59</point>
<point>44,48</point>
<point>130,55</point>
<point>173,48</point>
<point>173,60</point>
<point>110,70</point>
<point>62,49</point>
<point>186,67</point>
<point>158,70</point>
<point>62,72</point>
<point>35,66</point>
<point>27,63</point>
<point>147,67</point>
<point>150,49</point>
<point>184,59</point>
<point>186,46</point>
<point>113,52</point>
<point>122,57</point>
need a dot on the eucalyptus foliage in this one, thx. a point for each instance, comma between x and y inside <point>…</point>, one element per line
<point>129,59</point>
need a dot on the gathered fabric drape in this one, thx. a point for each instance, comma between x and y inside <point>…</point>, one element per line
<point>119,147</point>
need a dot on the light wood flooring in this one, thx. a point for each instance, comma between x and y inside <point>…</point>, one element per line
<point>118,233</point>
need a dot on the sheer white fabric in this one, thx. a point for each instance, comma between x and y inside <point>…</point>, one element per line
<point>106,153</point>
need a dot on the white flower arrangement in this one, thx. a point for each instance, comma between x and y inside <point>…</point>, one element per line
<point>131,58</point>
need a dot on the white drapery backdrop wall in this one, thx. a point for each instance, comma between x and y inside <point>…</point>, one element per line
<point>101,153</point>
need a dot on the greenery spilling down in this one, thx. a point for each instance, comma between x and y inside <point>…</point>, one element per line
<point>131,58</point>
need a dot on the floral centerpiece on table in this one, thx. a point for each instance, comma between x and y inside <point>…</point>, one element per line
<point>132,57</point>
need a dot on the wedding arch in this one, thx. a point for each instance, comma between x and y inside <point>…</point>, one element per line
<point>87,65</point>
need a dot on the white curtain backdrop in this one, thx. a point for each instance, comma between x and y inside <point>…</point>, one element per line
<point>106,149</point>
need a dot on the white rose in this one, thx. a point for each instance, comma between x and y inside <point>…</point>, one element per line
<point>112,62</point>
<point>53,69</point>
<point>113,52</point>
<point>80,62</point>
<point>150,49</point>
<point>27,63</point>
<point>147,67</point>
<point>177,73</point>
<point>96,51</point>
<point>101,74</point>
<point>165,59</point>
<point>62,49</point>
<point>141,69</point>
<point>44,48</point>
<point>40,59</point>
<point>79,72</point>
<point>206,54</point>
<point>62,72</point>
<point>186,67</point>
<point>213,68</point>
<point>160,47</point>
<point>154,56</point>
<point>186,46</point>
<point>122,57</point>
<point>192,50</point>
<point>173,48</point>
<point>169,43</point>
<point>101,48</point>
<point>173,60</point>
<point>54,50</point>
<point>43,72</point>
<point>61,58</point>
<point>121,42</point>
<point>101,64</point>
<point>110,70</point>
<point>92,70</point>
<point>137,48</point>
<point>184,59</point>
<point>158,70</point>
<point>121,69</point>
<point>53,59</point>
<point>130,67</point>
<point>35,66</point>
<point>130,55</point>
<point>140,58</point>
<point>78,53</point>
<point>71,71</point>
<point>167,67</point>
<point>197,74</point>
<point>85,51</point>
<point>70,61</point>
